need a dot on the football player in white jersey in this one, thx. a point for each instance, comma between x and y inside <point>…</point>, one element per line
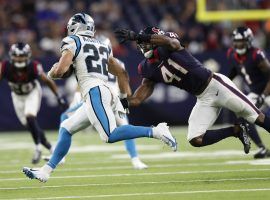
<point>120,114</point>
<point>92,60</point>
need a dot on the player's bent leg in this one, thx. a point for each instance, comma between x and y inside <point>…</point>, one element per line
<point>100,114</point>
<point>42,174</point>
<point>212,137</point>
<point>35,133</point>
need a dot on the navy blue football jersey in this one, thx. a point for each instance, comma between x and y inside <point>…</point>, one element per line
<point>247,67</point>
<point>21,81</point>
<point>177,68</point>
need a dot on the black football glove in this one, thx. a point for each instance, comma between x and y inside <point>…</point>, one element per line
<point>125,103</point>
<point>260,101</point>
<point>62,103</point>
<point>125,34</point>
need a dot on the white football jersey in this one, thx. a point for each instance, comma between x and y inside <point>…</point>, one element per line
<point>90,60</point>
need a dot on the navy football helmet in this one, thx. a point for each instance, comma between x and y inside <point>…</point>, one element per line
<point>20,54</point>
<point>146,48</point>
<point>242,39</point>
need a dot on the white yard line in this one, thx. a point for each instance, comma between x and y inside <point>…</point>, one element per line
<point>150,194</point>
<point>140,183</point>
<point>187,155</point>
<point>144,174</point>
<point>243,162</point>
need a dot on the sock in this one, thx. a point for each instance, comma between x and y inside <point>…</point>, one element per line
<point>254,135</point>
<point>265,124</point>
<point>47,168</point>
<point>131,148</point>
<point>33,128</point>
<point>38,147</point>
<point>127,132</point>
<point>214,136</point>
<point>61,149</point>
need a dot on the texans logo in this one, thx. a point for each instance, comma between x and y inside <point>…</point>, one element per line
<point>156,30</point>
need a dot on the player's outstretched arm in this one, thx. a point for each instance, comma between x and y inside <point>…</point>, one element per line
<point>142,92</point>
<point>158,40</point>
<point>59,69</point>
<point>122,76</point>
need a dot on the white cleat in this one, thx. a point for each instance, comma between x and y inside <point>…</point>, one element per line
<point>138,164</point>
<point>36,173</point>
<point>162,132</point>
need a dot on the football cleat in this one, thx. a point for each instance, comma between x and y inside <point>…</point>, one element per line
<point>243,137</point>
<point>36,173</point>
<point>36,157</point>
<point>138,164</point>
<point>162,132</point>
<point>262,153</point>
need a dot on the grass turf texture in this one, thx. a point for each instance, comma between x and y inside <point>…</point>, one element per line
<point>94,170</point>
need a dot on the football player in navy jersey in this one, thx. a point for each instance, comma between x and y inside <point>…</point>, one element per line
<point>22,74</point>
<point>167,61</point>
<point>252,64</point>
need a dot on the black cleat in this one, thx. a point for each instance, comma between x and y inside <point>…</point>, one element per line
<point>36,157</point>
<point>243,137</point>
<point>262,153</point>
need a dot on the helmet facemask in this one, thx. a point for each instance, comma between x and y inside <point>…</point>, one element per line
<point>240,46</point>
<point>146,49</point>
<point>20,55</point>
<point>242,39</point>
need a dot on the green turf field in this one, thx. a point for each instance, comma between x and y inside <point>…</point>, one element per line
<point>94,170</point>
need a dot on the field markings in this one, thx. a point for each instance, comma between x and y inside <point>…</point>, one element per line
<point>145,174</point>
<point>149,194</point>
<point>227,163</point>
<point>187,155</point>
<point>140,183</point>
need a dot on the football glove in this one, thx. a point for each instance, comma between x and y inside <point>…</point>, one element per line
<point>62,103</point>
<point>260,101</point>
<point>124,35</point>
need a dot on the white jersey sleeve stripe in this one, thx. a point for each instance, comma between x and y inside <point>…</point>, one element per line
<point>78,45</point>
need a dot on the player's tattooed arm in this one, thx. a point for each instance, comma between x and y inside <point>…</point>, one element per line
<point>59,69</point>
<point>122,76</point>
<point>142,92</point>
<point>171,43</point>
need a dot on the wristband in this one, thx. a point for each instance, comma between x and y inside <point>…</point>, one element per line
<point>122,95</point>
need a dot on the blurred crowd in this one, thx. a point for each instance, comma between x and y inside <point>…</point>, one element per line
<point>42,23</point>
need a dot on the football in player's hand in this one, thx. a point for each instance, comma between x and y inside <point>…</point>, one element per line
<point>69,72</point>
